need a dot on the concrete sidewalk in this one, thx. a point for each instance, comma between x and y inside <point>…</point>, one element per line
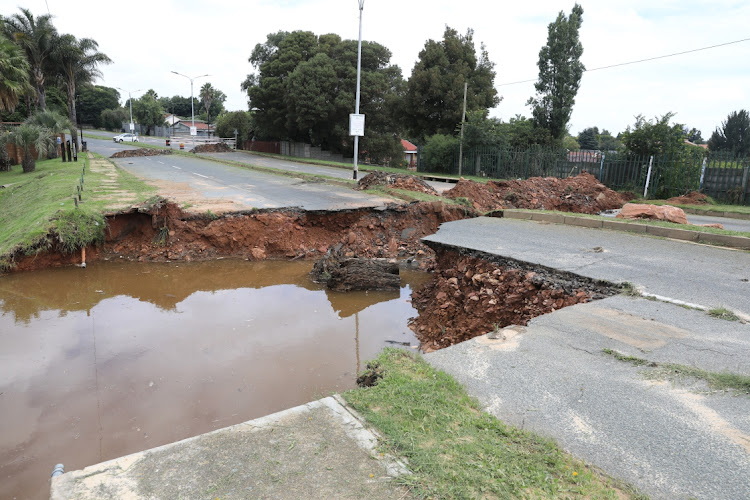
<point>318,450</point>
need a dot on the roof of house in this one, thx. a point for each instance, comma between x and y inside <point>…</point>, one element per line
<point>408,146</point>
<point>704,146</point>
<point>198,125</point>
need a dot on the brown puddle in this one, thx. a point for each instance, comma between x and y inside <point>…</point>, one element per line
<point>121,357</point>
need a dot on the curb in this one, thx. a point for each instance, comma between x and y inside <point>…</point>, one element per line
<point>740,242</point>
<point>715,213</point>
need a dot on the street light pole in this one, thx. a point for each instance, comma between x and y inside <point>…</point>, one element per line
<point>359,66</point>
<point>130,98</point>
<point>192,106</point>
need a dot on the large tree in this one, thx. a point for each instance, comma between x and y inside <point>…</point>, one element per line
<point>14,74</point>
<point>655,137</point>
<point>93,99</point>
<point>433,103</point>
<point>305,91</point>
<point>241,121</point>
<point>77,64</point>
<point>588,138</point>
<point>212,100</point>
<point>36,36</point>
<point>734,134</point>
<point>147,111</point>
<point>560,71</point>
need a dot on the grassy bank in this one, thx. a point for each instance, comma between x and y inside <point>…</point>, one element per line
<point>38,207</point>
<point>455,450</point>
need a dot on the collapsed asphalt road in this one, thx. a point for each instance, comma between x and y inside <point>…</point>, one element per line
<point>671,437</point>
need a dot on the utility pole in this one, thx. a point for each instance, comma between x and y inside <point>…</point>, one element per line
<point>192,106</point>
<point>130,99</point>
<point>356,106</point>
<point>461,144</point>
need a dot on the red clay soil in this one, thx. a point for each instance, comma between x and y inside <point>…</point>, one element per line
<point>397,181</point>
<point>692,198</point>
<point>581,194</point>
<point>212,148</point>
<point>471,296</point>
<point>168,234</point>
<point>131,153</point>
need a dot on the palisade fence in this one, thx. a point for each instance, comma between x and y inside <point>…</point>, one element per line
<point>723,176</point>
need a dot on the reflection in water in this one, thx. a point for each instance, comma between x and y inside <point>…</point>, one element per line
<point>121,357</point>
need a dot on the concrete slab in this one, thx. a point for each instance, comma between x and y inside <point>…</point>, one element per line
<point>317,450</point>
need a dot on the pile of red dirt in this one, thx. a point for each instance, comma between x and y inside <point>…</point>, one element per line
<point>219,147</point>
<point>397,181</point>
<point>692,198</point>
<point>130,153</point>
<point>470,295</point>
<point>580,194</point>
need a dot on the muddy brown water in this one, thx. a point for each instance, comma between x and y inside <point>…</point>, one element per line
<point>120,357</point>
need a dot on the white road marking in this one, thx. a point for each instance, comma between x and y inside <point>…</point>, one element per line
<point>161,162</point>
<point>178,168</point>
<point>199,175</point>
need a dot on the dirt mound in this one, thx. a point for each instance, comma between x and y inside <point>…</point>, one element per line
<point>471,295</point>
<point>212,148</point>
<point>131,153</point>
<point>397,181</point>
<point>580,194</point>
<point>692,198</point>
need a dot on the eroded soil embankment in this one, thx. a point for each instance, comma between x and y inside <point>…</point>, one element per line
<point>166,233</point>
<point>473,293</point>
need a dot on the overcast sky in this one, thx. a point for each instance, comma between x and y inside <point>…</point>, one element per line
<point>146,40</point>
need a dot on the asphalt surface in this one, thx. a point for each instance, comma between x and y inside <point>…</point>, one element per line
<point>246,188</point>
<point>669,437</point>
<point>699,274</point>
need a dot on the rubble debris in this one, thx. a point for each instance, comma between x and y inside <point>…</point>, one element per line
<point>219,147</point>
<point>473,293</point>
<point>666,213</point>
<point>580,194</point>
<point>343,274</point>
<point>692,198</point>
<point>397,181</point>
<point>132,153</point>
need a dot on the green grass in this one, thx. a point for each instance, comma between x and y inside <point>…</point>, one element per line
<point>710,207</point>
<point>455,450</point>
<point>39,204</point>
<point>647,222</point>
<point>723,313</point>
<point>724,381</point>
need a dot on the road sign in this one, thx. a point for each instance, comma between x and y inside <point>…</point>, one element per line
<point>357,124</point>
<point>193,130</point>
<point>132,126</point>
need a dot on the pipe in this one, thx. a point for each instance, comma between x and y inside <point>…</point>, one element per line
<point>59,470</point>
<point>83,256</point>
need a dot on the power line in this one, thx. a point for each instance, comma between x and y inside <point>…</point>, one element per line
<point>638,61</point>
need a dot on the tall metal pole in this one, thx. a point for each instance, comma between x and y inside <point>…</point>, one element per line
<point>359,69</point>
<point>130,99</point>
<point>461,145</point>
<point>192,106</point>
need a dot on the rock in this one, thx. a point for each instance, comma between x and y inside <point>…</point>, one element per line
<point>258,253</point>
<point>352,237</point>
<point>643,211</point>
<point>346,274</point>
<point>717,226</point>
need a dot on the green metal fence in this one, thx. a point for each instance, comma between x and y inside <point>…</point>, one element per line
<point>723,176</point>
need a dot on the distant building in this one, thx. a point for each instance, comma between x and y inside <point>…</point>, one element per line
<point>410,153</point>
<point>202,129</point>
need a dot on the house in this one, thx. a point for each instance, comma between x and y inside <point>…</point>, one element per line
<point>410,153</point>
<point>688,143</point>
<point>171,119</point>
<point>202,129</point>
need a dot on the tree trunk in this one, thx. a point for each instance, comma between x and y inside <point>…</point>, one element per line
<point>40,94</point>
<point>72,114</point>
<point>28,163</point>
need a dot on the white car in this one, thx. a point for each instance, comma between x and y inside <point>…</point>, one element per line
<point>125,138</point>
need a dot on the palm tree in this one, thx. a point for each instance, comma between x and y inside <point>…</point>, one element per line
<point>207,95</point>
<point>33,140</point>
<point>14,74</point>
<point>76,62</point>
<point>54,123</point>
<point>4,159</point>
<point>35,37</point>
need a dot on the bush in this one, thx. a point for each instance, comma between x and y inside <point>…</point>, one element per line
<point>438,152</point>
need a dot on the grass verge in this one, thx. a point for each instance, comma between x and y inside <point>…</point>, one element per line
<point>38,207</point>
<point>455,450</point>
<point>723,313</point>
<point>724,381</point>
<point>710,207</point>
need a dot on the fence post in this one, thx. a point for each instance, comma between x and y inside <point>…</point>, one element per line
<point>601,169</point>
<point>703,174</point>
<point>648,176</point>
